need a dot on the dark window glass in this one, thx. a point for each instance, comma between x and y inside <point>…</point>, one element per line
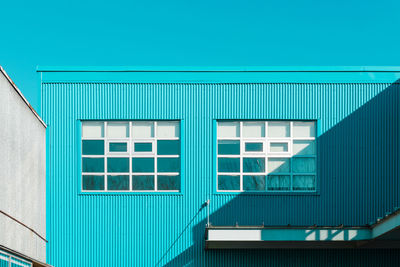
<point>254,183</point>
<point>143,182</point>
<point>143,164</point>
<point>302,165</point>
<point>166,182</point>
<point>253,164</point>
<point>278,182</point>
<point>226,182</point>
<point>143,147</point>
<point>228,164</point>
<point>118,147</point>
<point>93,182</point>
<point>304,182</point>
<point>118,182</point>
<point>168,147</point>
<point>118,164</point>
<point>254,147</point>
<point>168,164</point>
<point>92,147</point>
<point>93,164</point>
<point>228,147</point>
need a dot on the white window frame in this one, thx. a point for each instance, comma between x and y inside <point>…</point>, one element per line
<point>266,153</point>
<point>131,154</point>
<point>11,259</point>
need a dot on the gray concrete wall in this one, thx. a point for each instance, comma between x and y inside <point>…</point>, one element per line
<point>22,174</point>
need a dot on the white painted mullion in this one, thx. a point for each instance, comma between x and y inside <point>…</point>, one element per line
<point>291,156</point>
<point>155,156</point>
<point>241,155</point>
<point>105,157</point>
<point>130,144</point>
<point>92,138</point>
<point>266,150</point>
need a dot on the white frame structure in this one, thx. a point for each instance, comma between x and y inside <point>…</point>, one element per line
<point>13,260</point>
<point>266,154</point>
<point>130,154</point>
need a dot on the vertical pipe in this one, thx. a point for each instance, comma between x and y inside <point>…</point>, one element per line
<point>208,212</point>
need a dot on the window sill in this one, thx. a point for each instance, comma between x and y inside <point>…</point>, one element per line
<point>131,193</point>
<point>314,193</point>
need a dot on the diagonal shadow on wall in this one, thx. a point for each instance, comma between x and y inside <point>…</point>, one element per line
<point>358,181</point>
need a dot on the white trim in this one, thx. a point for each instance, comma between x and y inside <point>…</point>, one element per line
<point>10,81</point>
<point>10,258</point>
<point>266,154</point>
<point>114,153</point>
<point>130,153</point>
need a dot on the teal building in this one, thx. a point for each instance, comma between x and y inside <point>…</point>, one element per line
<point>268,166</point>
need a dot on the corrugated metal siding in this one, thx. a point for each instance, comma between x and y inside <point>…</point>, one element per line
<point>358,129</point>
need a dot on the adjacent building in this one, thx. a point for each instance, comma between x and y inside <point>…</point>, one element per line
<point>222,167</point>
<point>23,179</point>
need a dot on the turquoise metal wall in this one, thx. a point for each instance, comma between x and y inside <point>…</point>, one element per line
<point>358,173</point>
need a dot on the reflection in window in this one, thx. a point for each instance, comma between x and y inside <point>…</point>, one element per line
<point>260,156</point>
<point>131,156</point>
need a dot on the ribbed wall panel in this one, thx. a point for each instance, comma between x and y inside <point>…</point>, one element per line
<point>358,175</point>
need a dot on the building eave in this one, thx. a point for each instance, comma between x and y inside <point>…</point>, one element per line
<point>22,96</point>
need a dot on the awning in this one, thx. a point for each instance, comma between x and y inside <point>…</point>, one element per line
<point>384,233</point>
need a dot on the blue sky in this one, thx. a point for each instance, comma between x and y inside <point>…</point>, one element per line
<point>195,33</point>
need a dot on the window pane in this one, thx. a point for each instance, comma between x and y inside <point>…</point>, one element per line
<point>303,165</point>
<point>228,164</point>
<point>228,129</point>
<point>167,129</point>
<point>117,129</point>
<point>253,129</point>
<point>278,147</point>
<point>168,147</point>
<point>278,182</point>
<point>143,182</point>
<point>168,164</point>
<point>165,182</point>
<point>304,129</point>
<point>278,129</point>
<point>93,182</point>
<point>92,147</point>
<point>228,147</point>
<point>254,147</point>
<point>118,164</point>
<point>118,147</point>
<point>142,164</point>
<point>92,164</point>
<point>253,164</point>
<point>92,129</point>
<point>254,183</point>
<point>118,182</point>
<point>278,165</point>
<point>143,129</point>
<point>304,182</point>
<point>143,147</point>
<point>226,182</point>
<point>303,147</point>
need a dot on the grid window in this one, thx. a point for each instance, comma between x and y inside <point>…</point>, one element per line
<point>128,156</point>
<point>266,156</point>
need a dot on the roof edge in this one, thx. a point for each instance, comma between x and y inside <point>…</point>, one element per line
<point>218,69</point>
<point>22,96</point>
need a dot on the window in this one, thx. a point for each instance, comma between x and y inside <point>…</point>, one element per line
<point>266,156</point>
<point>7,259</point>
<point>131,156</point>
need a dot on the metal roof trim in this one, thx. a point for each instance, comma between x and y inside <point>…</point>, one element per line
<point>36,263</point>
<point>218,69</point>
<point>22,96</point>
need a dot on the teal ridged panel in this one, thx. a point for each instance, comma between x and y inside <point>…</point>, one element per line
<point>357,160</point>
